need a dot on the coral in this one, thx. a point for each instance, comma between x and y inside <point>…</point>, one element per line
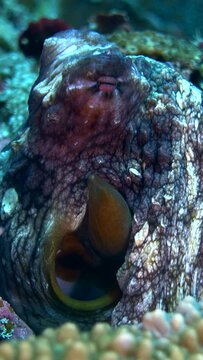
<point>159,46</point>
<point>11,326</point>
<point>184,55</point>
<point>32,39</point>
<point>175,336</point>
<point>144,14</point>
<point>16,75</point>
<point>107,23</point>
<point>15,15</point>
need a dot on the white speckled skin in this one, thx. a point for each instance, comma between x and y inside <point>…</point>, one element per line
<point>165,262</point>
<point>145,139</point>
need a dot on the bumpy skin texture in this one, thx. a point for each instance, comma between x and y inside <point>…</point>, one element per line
<point>135,123</point>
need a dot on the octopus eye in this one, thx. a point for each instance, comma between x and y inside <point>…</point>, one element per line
<point>107,84</point>
<point>82,264</point>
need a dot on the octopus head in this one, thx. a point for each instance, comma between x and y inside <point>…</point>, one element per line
<point>82,114</point>
<point>81,94</point>
<point>78,109</point>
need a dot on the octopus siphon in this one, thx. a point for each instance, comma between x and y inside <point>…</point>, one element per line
<point>101,192</point>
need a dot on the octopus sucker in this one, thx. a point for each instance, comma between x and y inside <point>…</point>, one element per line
<point>101,194</point>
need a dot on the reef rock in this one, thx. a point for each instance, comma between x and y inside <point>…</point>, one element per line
<point>11,326</point>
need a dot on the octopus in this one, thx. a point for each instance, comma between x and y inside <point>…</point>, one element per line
<point>101,191</point>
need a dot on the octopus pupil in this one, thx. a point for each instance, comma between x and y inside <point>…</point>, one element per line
<point>71,261</point>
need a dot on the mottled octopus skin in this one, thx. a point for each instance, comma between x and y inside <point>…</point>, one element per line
<point>135,123</point>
